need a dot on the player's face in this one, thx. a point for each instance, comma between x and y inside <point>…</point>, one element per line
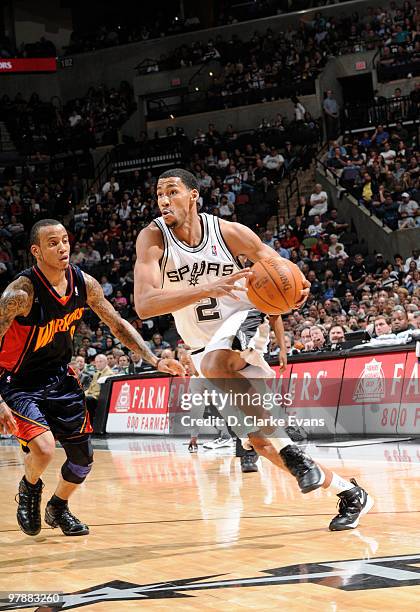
<point>175,201</point>
<point>54,247</point>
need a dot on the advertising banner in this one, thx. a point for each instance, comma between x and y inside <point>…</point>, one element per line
<point>365,394</point>
<point>30,64</point>
<point>409,415</point>
<point>139,405</point>
<point>315,392</point>
<point>371,394</point>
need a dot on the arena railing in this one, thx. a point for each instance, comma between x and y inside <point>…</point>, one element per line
<point>385,111</point>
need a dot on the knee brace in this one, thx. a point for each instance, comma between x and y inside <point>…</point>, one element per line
<point>79,459</point>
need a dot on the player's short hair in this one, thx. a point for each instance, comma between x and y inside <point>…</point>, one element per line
<point>34,233</point>
<point>186,177</point>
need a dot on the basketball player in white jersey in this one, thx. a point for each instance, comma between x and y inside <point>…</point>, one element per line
<point>187,265</point>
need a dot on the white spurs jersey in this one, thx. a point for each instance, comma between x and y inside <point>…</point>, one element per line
<point>184,266</point>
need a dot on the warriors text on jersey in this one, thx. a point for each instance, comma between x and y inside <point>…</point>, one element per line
<point>40,344</point>
<point>185,266</point>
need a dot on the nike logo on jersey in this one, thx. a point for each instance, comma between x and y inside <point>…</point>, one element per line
<point>194,273</point>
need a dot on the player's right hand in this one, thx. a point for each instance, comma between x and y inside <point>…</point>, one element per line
<point>226,285</point>
<point>7,420</point>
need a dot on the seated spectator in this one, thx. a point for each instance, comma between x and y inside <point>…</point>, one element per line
<point>334,224</point>
<point>123,364</point>
<point>336,336</point>
<point>107,288</point>
<point>350,175</point>
<point>408,205</point>
<point>380,136</point>
<point>318,201</point>
<point>414,257</point>
<point>399,320</point>
<point>382,326</point>
<point>102,370</point>
<point>226,208</point>
<point>274,162</point>
<point>283,252</point>
<point>290,241</point>
<point>157,344</point>
<point>84,377</point>
<point>357,274</point>
<point>316,228</point>
<point>289,340</point>
<point>388,154</point>
<point>317,337</point>
<point>369,190</point>
<point>332,249</point>
<point>273,348</point>
<point>111,186</point>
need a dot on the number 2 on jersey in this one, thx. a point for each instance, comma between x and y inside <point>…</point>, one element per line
<point>207,311</point>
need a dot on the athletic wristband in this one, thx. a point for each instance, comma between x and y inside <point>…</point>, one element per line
<point>158,362</point>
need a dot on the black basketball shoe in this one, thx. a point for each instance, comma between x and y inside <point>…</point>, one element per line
<point>249,462</point>
<point>305,470</point>
<point>29,506</point>
<point>60,516</point>
<point>353,504</point>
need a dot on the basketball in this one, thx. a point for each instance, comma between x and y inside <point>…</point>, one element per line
<point>275,285</point>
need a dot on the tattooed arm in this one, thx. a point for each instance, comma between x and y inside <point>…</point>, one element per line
<point>15,301</point>
<point>125,332</point>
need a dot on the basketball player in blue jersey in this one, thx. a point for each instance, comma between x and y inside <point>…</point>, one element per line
<point>41,400</point>
<point>188,264</point>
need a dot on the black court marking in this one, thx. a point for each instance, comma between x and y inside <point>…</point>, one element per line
<point>223,518</point>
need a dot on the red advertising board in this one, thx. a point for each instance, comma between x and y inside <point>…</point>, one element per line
<point>371,393</point>
<point>374,394</point>
<point>139,405</point>
<point>314,388</point>
<point>409,415</point>
<point>32,64</point>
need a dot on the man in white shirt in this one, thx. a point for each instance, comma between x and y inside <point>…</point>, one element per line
<point>316,228</point>
<point>388,154</point>
<point>319,201</point>
<point>111,184</point>
<point>273,161</point>
<point>124,211</point>
<point>415,257</point>
<point>408,205</point>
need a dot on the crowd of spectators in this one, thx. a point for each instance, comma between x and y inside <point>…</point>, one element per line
<point>381,168</point>
<point>400,53</point>
<point>163,24</point>
<point>48,127</point>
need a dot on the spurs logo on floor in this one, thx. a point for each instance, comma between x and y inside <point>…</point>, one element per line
<point>352,575</point>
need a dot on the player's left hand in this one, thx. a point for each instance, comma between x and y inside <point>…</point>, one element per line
<point>304,292</point>
<point>171,366</point>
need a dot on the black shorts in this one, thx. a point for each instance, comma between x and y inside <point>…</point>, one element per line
<point>57,405</point>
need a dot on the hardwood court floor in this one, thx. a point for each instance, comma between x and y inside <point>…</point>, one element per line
<point>204,536</point>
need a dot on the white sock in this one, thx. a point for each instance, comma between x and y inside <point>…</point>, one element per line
<point>280,443</point>
<point>340,484</point>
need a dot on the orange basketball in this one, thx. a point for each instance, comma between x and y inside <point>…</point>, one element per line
<point>275,285</point>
